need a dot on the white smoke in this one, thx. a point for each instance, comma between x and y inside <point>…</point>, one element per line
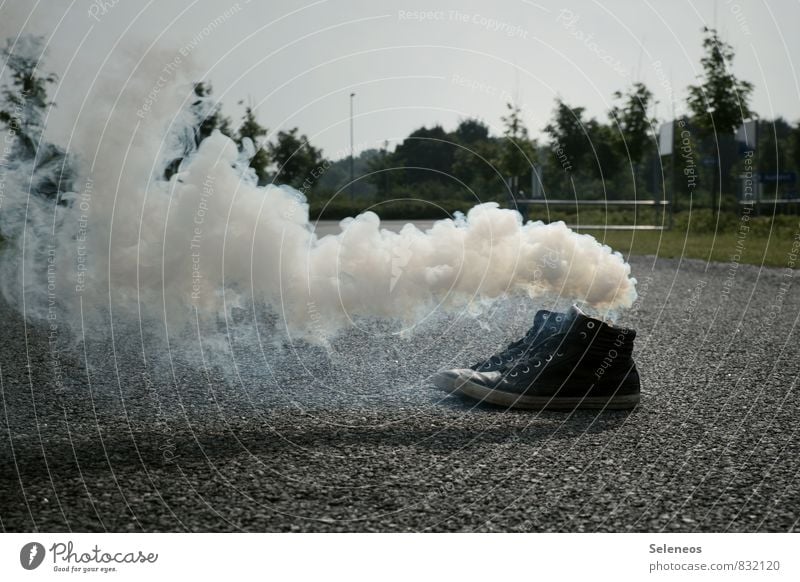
<point>257,244</point>
<point>183,254</point>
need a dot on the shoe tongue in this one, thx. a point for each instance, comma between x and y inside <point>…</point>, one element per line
<point>578,318</point>
<point>552,322</point>
<point>542,317</point>
<point>574,313</point>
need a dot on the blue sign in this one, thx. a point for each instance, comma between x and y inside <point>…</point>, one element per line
<point>777,177</point>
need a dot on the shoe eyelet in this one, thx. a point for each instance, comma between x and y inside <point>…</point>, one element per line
<point>590,324</point>
<point>548,358</point>
<point>526,370</point>
<point>510,359</point>
<point>513,374</point>
<point>558,318</point>
<point>537,364</point>
<point>559,354</point>
<point>584,335</point>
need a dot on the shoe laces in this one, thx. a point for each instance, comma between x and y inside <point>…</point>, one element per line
<point>519,348</point>
<point>546,350</point>
<point>550,348</point>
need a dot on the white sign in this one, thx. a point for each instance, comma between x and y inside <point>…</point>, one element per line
<point>747,134</point>
<point>665,138</point>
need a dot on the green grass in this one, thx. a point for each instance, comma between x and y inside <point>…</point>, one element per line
<point>758,247</point>
<point>698,234</point>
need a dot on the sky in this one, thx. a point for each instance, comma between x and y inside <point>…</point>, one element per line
<point>418,63</point>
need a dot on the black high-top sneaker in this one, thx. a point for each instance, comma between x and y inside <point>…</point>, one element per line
<point>545,324</point>
<point>588,364</point>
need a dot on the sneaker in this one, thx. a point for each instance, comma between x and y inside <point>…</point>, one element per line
<point>545,323</point>
<point>588,364</point>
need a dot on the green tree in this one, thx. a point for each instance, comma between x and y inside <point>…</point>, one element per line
<point>774,149</point>
<point>568,133</point>
<point>426,155</point>
<point>207,117</point>
<point>635,126</point>
<point>252,131</point>
<point>569,146</point>
<point>794,146</point>
<point>208,113</point>
<point>518,152</point>
<point>25,99</point>
<point>475,163</point>
<point>334,176</point>
<point>605,158</point>
<point>471,131</point>
<point>719,104</point>
<point>22,108</point>
<point>379,168</point>
<point>296,159</point>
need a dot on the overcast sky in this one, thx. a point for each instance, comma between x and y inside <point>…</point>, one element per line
<point>421,63</point>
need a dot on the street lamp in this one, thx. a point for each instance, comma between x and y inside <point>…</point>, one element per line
<point>352,173</point>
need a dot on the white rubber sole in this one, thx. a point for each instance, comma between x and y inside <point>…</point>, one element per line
<point>448,382</point>
<point>513,400</point>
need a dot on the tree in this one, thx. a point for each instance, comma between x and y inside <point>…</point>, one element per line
<point>296,159</point>
<point>774,150</point>
<point>335,175</point>
<point>427,155</point>
<point>208,113</point>
<point>379,170</point>
<point>252,131</point>
<point>569,144</point>
<point>207,117</point>
<point>719,102</point>
<point>475,164</point>
<point>634,125</point>
<point>25,98</point>
<point>568,133</point>
<point>471,131</point>
<point>794,146</point>
<point>518,152</point>
<point>603,143</point>
<point>24,101</point>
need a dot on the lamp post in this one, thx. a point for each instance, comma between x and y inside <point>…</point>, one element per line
<point>352,173</point>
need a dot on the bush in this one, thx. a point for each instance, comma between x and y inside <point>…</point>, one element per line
<point>701,221</point>
<point>399,209</point>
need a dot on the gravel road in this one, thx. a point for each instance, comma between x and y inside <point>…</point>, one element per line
<point>297,438</point>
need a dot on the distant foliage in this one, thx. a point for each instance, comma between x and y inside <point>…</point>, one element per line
<point>252,130</point>
<point>24,98</point>
<point>518,152</point>
<point>436,170</point>
<point>296,160</point>
<point>636,130</point>
<point>720,102</point>
<point>23,106</point>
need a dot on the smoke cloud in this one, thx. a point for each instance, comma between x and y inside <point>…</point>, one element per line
<point>183,254</point>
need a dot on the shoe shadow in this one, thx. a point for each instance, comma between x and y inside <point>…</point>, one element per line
<point>464,423</point>
<point>455,402</point>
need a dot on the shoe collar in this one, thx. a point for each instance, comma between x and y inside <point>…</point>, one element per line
<point>579,320</point>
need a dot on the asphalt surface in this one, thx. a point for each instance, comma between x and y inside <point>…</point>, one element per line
<point>355,438</point>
